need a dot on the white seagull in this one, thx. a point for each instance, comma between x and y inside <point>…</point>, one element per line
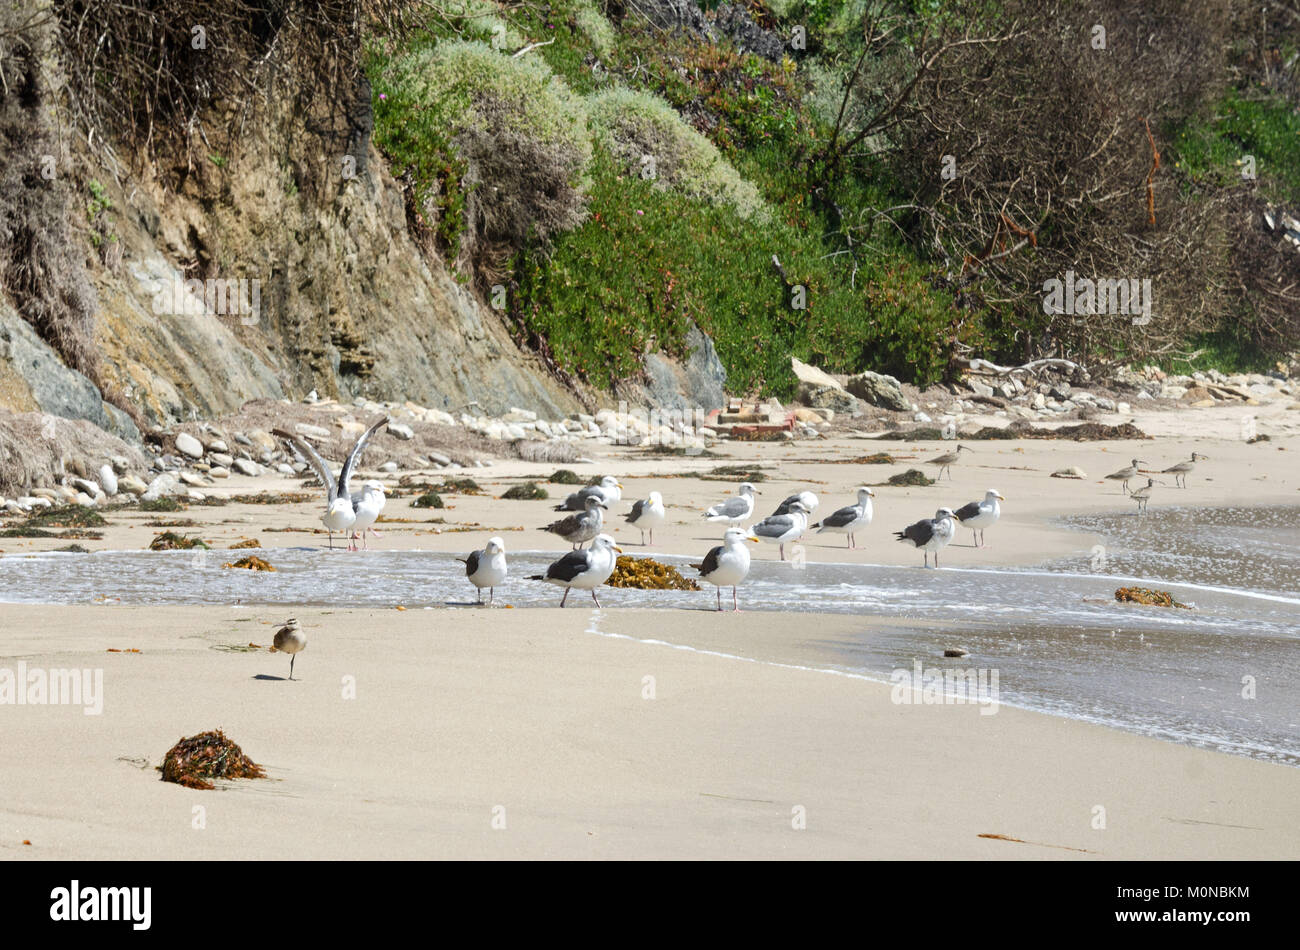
<point>727,564</point>
<point>487,568</point>
<point>978,515</point>
<point>932,534</point>
<point>849,519</point>
<point>736,509</point>
<point>609,491</point>
<point>783,528</point>
<point>367,511</point>
<point>340,513</point>
<point>585,570</point>
<point>648,515</point>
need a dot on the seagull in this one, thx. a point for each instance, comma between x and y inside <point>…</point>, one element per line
<point>727,564</point>
<point>609,490</point>
<point>783,528</point>
<point>340,513</point>
<point>946,461</point>
<point>1143,495</point>
<point>809,500</point>
<point>291,640</point>
<point>849,519</point>
<point>1182,468</point>
<point>978,515</point>
<point>586,570</point>
<point>486,568</point>
<point>931,534</point>
<point>736,509</point>
<point>647,515</point>
<point>367,510</point>
<point>581,528</point>
<point>1124,474</point>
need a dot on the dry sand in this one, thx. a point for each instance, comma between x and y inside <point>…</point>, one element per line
<point>459,711</point>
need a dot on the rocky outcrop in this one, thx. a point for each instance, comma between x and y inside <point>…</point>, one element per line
<point>879,390</point>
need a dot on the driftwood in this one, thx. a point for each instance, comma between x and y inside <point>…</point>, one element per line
<point>985,367</point>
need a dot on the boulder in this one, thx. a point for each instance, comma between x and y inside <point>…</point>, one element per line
<point>812,375</point>
<point>827,397</point>
<point>186,444</point>
<point>879,390</point>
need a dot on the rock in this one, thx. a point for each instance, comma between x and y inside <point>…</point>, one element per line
<point>922,417</point>
<point>828,397</point>
<point>956,651</point>
<point>133,484</point>
<point>980,389</point>
<point>194,481</point>
<point>401,431</point>
<point>121,464</point>
<point>437,458</point>
<point>284,468</point>
<point>86,501</point>
<point>243,439</point>
<point>223,459</point>
<point>879,390</point>
<point>1123,408</point>
<point>217,445</point>
<point>218,471</point>
<point>108,479</point>
<point>86,485</point>
<point>164,484</point>
<point>246,467</point>
<point>812,375</point>
<point>389,467</point>
<point>1072,472</point>
<point>186,444</point>
<point>307,431</point>
<point>1039,401</point>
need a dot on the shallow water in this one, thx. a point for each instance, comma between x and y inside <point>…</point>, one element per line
<point>1056,636</point>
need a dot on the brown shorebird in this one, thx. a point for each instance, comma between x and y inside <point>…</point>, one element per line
<point>946,460</point>
<point>291,640</point>
<point>1124,474</point>
<point>1182,468</point>
<point>1143,495</point>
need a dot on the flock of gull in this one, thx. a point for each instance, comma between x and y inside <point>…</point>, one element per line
<point>726,565</point>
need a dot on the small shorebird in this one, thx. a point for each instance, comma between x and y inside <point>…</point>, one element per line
<point>609,490</point>
<point>807,498</point>
<point>1182,468</point>
<point>1124,474</point>
<point>580,528</point>
<point>340,511</point>
<point>783,528</point>
<point>932,534</point>
<point>979,515</point>
<point>647,515</point>
<point>585,570</point>
<point>486,568</point>
<point>291,640</point>
<point>849,519</point>
<point>1143,495</point>
<point>367,511</point>
<point>946,461</point>
<point>727,564</point>
<point>735,509</point>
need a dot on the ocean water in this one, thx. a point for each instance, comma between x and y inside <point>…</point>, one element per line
<point>1224,675</point>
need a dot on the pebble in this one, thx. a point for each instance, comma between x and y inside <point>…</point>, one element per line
<point>186,444</point>
<point>401,431</point>
<point>245,467</point>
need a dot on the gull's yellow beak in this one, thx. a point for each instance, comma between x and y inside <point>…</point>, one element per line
<point>1002,497</point>
<point>754,539</point>
<point>618,549</point>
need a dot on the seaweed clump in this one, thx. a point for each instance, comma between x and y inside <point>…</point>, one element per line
<point>429,500</point>
<point>565,476</point>
<point>737,472</point>
<point>911,477</point>
<point>1145,595</point>
<point>463,486</point>
<point>194,760</point>
<point>250,543</point>
<point>165,503</point>
<point>171,541</point>
<point>69,516</point>
<point>648,574</point>
<point>528,491</point>
<point>252,563</point>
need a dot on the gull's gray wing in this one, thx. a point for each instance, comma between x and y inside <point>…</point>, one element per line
<point>842,517</point>
<point>774,526</point>
<point>471,564</point>
<point>731,508</point>
<point>569,566</point>
<point>639,507</point>
<point>346,472</point>
<point>307,452</point>
<point>710,563</point>
<point>967,511</point>
<point>919,534</point>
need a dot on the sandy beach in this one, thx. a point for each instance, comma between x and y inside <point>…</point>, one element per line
<point>623,732</point>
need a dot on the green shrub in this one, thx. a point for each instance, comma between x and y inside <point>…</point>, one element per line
<point>649,138</point>
<point>494,148</point>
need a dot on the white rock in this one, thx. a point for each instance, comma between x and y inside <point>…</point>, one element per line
<point>108,479</point>
<point>194,481</point>
<point>309,431</point>
<point>164,484</point>
<point>195,496</point>
<point>133,484</point>
<point>86,485</point>
<point>389,467</point>
<point>245,467</point>
<point>218,471</point>
<point>284,468</point>
<point>402,431</point>
<point>1123,408</point>
<point>217,445</point>
<point>223,459</point>
<point>922,417</point>
<point>186,444</point>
